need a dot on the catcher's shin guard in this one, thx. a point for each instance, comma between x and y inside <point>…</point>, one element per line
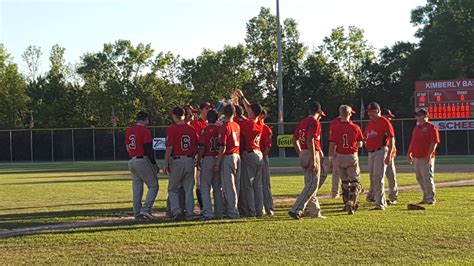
<point>345,191</point>
<point>354,190</point>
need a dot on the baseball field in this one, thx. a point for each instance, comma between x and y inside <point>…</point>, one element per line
<point>79,213</point>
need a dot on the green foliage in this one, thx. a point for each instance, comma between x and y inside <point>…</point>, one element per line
<point>128,78</point>
<point>13,98</point>
<point>213,76</point>
<point>446,38</point>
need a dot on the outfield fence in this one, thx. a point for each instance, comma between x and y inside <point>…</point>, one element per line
<point>94,144</point>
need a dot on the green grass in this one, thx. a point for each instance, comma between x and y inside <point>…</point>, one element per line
<point>122,165</point>
<point>441,234</point>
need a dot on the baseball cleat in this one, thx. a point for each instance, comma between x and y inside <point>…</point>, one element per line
<point>293,215</point>
<point>147,216</point>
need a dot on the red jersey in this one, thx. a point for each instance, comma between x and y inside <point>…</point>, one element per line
<point>135,137</point>
<point>422,137</point>
<point>252,132</point>
<point>377,133</point>
<point>308,126</point>
<point>209,139</point>
<point>346,135</point>
<point>336,121</point>
<point>229,136</point>
<point>240,121</point>
<point>182,138</point>
<point>266,140</point>
<point>198,125</point>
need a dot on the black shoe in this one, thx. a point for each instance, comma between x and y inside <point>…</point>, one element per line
<point>391,202</point>
<point>178,217</point>
<point>293,215</point>
<point>140,217</point>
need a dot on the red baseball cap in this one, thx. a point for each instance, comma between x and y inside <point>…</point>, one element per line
<point>386,112</point>
<point>206,104</point>
<point>373,106</point>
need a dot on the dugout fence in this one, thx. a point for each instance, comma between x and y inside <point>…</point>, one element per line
<point>97,144</point>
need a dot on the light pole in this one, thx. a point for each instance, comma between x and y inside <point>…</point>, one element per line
<point>281,126</point>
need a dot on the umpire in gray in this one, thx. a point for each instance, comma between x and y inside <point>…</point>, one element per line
<point>142,165</point>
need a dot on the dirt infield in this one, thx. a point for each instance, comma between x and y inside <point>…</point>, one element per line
<point>161,216</point>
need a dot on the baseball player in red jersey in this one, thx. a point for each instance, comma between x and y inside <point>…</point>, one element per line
<point>335,171</point>
<point>391,172</point>
<point>423,143</point>
<point>208,147</point>
<point>142,165</point>
<point>239,118</point>
<point>306,140</point>
<point>345,139</point>
<point>379,141</point>
<point>198,124</point>
<point>181,147</point>
<point>228,161</point>
<point>252,159</point>
<point>265,146</point>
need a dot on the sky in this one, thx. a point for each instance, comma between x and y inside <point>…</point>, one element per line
<point>186,27</point>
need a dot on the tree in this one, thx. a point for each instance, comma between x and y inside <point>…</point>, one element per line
<point>56,102</point>
<point>32,57</point>
<point>212,76</point>
<point>446,39</point>
<point>13,98</point>
<point>384,80</point>
<point>261,41</point>
<point>127,78</point>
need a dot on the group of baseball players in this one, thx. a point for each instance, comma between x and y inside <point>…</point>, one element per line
<point>226,155</point>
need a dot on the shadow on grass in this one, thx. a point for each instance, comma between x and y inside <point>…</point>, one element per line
<point>99,173</point>
<point>66,205</point>
<point>67,181</point>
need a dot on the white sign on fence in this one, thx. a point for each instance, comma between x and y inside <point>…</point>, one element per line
<point>159,144</point>
<point>454,125</point>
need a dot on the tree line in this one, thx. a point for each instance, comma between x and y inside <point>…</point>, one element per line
<point>124,78</point>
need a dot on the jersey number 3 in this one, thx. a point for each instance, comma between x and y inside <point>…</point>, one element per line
<point>133,142</point>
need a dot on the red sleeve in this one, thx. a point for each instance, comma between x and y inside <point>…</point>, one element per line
<point>331,134</point>
<point>359,135</point>
<point>202,139</point>
<point>268,137</point>
<point>147,138</point>
<point>435,135</point>
<point>390,131</point>
<point>170,136</point>
<point>313,127</point>
<point>412,138</point>
<point>296,134</point>
<point>223,136</point>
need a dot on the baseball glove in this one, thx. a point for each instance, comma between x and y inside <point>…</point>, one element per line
<point>414,207</point>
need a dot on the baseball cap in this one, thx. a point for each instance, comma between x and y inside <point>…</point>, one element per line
<point>373,106</point>
<point>344,109</point>
<point>142,116</point>
<point>316,108</point>
<point>206,104</point>
<point>178,111</point>
<point>421,112</point>
<point>388,113</point>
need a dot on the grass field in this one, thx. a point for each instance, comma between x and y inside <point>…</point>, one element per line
<point>42,194</point>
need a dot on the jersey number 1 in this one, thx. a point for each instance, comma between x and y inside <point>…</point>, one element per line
<point>345,141</point>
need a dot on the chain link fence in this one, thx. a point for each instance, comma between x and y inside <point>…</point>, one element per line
<point>95,144</point>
